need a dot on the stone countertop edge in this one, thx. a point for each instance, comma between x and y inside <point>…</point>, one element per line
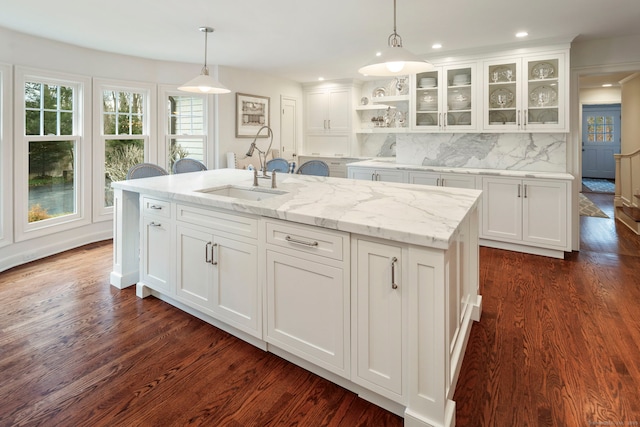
<point>407,213</point>
<point>389,163</point>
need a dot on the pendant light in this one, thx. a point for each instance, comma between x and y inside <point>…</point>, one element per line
<point>395,60</point>
<point>204,83</point>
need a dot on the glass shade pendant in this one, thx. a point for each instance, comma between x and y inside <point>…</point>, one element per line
<point>395,60</point>
<point>204,83</point>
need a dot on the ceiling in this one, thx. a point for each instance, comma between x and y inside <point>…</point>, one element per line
<point>303,40</point>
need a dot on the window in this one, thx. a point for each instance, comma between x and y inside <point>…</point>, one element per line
<point>6,188</point>
<point>121,136</point>
<point>600,129</point>
<point>184,126</point>
<point>50,118</point>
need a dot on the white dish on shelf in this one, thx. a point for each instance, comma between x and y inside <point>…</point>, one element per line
<point>425,120</point>
<point>545,116</point>
<point>379,92</point>
<point>463,119</point>
<point>542,70</point>
<point>501,74</point>
<point>501,98</point>
<point>543,96</point>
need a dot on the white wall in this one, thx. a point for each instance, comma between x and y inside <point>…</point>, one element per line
<point>19,49</point>
<point>590,96</point>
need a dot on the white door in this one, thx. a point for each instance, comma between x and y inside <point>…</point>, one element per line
<point>235,298</point>
<point>378,318</point>
<point>195,272</point>
<point>424,178</point>
<point>600,140</point>
<point>502,208</point>
<point>307,306</point>
<point>288,128</point>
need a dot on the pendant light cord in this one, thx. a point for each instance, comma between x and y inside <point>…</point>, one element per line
<point>394,39</point>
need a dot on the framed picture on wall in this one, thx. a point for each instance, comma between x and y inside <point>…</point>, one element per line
<point>252,112</point>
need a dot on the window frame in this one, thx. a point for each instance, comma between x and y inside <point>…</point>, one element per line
<point>6,155</point>
<point>100,211</point>
<point>23,229</point>
<point>164,91</point>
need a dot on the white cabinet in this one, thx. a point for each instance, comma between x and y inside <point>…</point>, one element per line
<point>445,99</point>
<point>328,110</point>
<point>526,93</point>
<point>307,294</point>
<point>328,120</point>
<point>378,342</point>
<point>371,174</point>
<point>443,179</point>
<point>157,252</point>
<point>529,211</point>
<point>217,270</point>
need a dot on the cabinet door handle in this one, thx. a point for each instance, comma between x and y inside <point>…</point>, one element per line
<point>329,124</point>
<point>437,182</point>
<point>524,119</point>
<point>206,253</point>
<point>442,182</point>
<point>444,121</point>
<point>525,191</point>
<point>393,273</point>
<point>213,259</point>
<point>518,118</point>
<point>155,224</point>
<point>519,186</point>
<point>301,242</point>
<point>373,176</point>
<point>156,207</point>
<point>439,119</point>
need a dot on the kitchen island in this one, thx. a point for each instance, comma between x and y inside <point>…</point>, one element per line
<point>371,285</point>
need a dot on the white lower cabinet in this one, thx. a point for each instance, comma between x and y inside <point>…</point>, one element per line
<point>369,174</point>
<point>307,294</point>
<point>157,254</point>
<point>443,179</point>
<point>534,212</point>
<point>377,317</point>
<point>217,273</point>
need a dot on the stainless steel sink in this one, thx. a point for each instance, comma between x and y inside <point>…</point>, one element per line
<point>244,193</point>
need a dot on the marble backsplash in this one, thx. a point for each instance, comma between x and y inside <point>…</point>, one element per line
<point>540,152</point>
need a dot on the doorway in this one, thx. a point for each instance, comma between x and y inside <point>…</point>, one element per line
<point>600,140</point>
<point>288,128</point>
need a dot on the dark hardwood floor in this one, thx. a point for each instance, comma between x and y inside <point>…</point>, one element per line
<point>558,345</point>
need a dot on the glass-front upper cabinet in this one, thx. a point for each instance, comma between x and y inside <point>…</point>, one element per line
<point>525,94</point>
<point>445,99</point>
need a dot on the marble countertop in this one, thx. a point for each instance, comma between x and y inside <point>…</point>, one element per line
<point>422,215</point>
<point>390,163</point>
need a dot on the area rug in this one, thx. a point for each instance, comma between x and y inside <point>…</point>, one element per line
<point>598,185</point>
<point>588,208</point>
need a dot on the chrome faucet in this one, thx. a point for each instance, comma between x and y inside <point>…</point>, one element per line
<point>273,179</point>
<point>255,177</point>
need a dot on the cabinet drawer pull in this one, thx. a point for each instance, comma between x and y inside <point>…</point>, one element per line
<point>393,273</point>
<point>206,253</point>
<point>519,187</point>
<point>373,177</point>
<point>525,191</point>
<point>213,258</point>
<point>518,118</point>
<point>156,207</point>
<point>155,224</point>
<point>301,242</point>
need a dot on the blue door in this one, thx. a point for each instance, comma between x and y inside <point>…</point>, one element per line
<point>600,140</point>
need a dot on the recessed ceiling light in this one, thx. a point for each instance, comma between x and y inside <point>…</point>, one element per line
<point>522,34</point>
<point>436,46</point>
<point>607,85</point>
<point>378,53</point>
<point>320,79</point>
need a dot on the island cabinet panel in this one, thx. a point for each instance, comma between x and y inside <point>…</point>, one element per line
<point>377,303</point>
<point>217,273</point>
<point>442,179</point>
<point>308,294</point>
<point>157,254</point>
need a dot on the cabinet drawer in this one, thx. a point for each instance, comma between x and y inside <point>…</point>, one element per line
<point>226,222</point>
<point>325,243</point>
<point>151,206</point>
